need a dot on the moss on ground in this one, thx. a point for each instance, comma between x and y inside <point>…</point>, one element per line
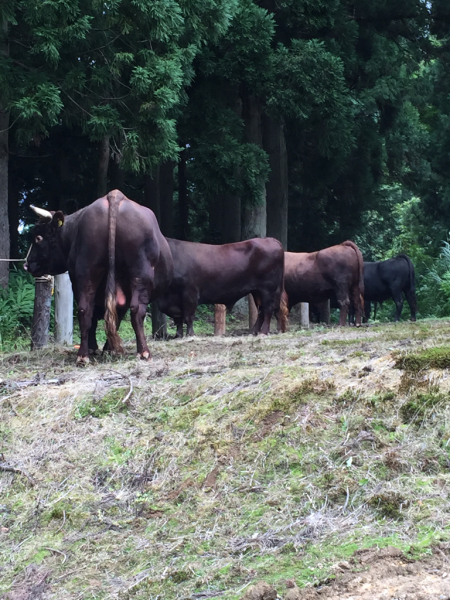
<point>235,460</point>
<point>431,358</point>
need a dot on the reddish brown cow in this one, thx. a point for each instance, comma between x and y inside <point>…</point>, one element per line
<point>117,259</point>
<point>317,276</point>
<point>210,274</point>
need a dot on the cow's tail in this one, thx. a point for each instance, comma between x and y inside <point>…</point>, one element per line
<point>359,256</point>
<point>111,318</point>
<point>283,313</point>
<point>412,280</point>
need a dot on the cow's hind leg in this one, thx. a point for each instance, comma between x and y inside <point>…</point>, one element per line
<point>358,304</point>
<point>344,303</point>
<point>140,298</point>
<point>411,299</point>
<point>398,299</point>
<point>85,314</point>
<point>367,309</point>
<point>267,304</point>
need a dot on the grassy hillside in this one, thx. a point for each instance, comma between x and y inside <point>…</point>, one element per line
<point>221,462</point>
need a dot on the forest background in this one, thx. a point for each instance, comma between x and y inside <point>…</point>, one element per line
<point>312,121</point>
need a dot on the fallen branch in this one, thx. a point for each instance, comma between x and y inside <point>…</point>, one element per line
<point>11,469</point>
<point>29,382</point>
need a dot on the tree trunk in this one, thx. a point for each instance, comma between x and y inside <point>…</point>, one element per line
<point>13,213</point>
<point>63,310</point>
<point>324,310</point>
<point>41,314</point>
<point>215,220</point>
<point>159,323</point>
<point>4,155</point>
<point>183,198</point>
<point>117,176</point>
<point>151,193</point>
<point>277,185</point>
<point>220,313</point>
<point>231,219</point>
<point>166,197</point>
<point>254,217</point>
<point>103,162</point>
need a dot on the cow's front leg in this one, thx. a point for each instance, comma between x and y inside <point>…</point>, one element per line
<point>179,324</point>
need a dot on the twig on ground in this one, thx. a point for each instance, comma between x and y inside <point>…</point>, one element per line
<point>58,552</point>
<point>130,391</point>
<point>11,469</point>
<point>64,522</point>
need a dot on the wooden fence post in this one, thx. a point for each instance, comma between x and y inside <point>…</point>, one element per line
<point>159,323</point>
<point>325,315</point>
<point>63,310</point>
<point>220,319</point>
<point>304,314</point>
<point>41,314</point>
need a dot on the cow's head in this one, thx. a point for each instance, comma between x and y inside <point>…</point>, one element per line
<point>45,255</point>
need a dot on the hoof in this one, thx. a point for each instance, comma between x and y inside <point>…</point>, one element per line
<point>82,361</point>
<point>145,356</point>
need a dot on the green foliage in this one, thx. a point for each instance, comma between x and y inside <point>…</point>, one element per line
<point>16,310</point>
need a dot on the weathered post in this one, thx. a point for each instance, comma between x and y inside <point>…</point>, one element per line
<point>325,315</point>
<point>252,312</point>
<point>63,310</point>
<point>220,317</point>
<point>304,314</point>
<point>41,314</point>
<point>159,323</point>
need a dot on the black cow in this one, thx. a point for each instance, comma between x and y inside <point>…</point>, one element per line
<point>210,274</point>
<point>117,259</point>
<point>387,279</point>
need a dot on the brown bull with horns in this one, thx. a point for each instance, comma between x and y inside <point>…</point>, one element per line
<point>117,259</point>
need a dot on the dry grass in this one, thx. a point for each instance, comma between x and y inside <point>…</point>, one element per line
<point>233,460</point>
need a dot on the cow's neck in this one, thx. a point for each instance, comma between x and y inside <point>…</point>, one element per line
<point>68,232</point>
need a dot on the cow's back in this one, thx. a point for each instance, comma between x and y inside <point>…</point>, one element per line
<point>313,276</point>
<point>221,274</point>
<point>383,277</point>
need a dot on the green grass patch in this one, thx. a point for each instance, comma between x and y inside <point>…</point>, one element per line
<point>111,402</point>
<point>420,405</point>
<point>431,358</point>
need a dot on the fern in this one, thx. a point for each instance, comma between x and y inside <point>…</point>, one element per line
<point>16,310</point>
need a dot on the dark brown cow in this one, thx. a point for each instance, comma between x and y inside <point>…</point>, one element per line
<point>117,259</point>
<point>209,274</point>
<point>315,276</point>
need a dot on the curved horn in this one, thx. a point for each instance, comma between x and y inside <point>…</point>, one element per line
<point>45,214</point>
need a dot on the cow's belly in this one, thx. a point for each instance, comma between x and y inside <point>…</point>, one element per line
<point>308,291</point>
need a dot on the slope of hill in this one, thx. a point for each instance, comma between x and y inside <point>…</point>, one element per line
<point>222,462</point>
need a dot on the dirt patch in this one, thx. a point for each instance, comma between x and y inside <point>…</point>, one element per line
<point>32,585</point>
<point>385,574</point>
<point>268,423</point>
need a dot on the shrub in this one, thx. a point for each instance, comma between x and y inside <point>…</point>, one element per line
<point>16,309</point>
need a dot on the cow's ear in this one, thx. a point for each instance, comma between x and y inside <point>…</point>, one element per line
<point>58,219</point>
